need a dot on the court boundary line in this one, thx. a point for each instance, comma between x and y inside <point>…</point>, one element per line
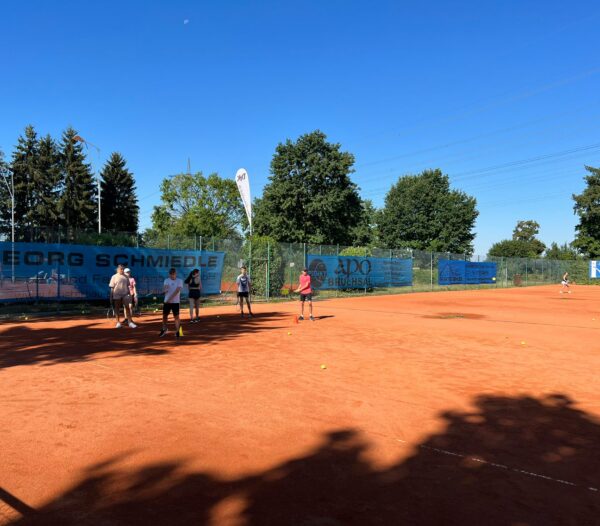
<point>502,466</point>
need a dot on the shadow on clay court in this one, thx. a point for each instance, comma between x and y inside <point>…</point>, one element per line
<point>26,344</point>
<point>508,461</point>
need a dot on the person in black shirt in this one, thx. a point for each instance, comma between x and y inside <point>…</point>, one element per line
<point>194,288</point>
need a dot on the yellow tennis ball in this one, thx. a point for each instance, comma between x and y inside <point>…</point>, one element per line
<point>289,333</point>
<point>323,366</point>
<point>522,343</point>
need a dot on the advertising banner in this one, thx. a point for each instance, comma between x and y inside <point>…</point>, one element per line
<point>352,272</point>
<point>82,271</point>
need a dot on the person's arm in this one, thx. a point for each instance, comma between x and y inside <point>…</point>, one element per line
<point>300,287</point>
<point>177,291</point>
<point>134,288</point>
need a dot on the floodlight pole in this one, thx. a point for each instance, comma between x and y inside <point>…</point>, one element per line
<point>12,221</point>
<point>11,191</point>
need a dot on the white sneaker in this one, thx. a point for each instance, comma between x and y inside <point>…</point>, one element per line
<point>118,325</point>
<point>132,325</point>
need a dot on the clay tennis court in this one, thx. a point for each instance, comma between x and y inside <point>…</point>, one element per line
<point>454,408</point>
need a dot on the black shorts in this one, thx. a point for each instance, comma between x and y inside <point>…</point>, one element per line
<point>242,294</point>
<point>194,294</point>
<point>305,297</point>
<point>171,307</point>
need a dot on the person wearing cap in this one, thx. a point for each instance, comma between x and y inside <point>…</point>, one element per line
<point>119,291</point>
<point>132,290</point>
<point>305,291</point>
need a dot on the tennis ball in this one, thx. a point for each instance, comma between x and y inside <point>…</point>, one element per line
<point>26,318</point>
<point>323,366</point>
<point>522,343</point>
<point>289,333</point>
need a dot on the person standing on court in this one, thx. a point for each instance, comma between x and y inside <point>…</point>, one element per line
<point>132,291</point>
<point>172,288</point>
<point>305,291</point>
<point>194,284</point>
<point>119,292</point>
<point>243,284</point>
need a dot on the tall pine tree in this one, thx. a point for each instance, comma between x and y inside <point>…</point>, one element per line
<point>118,205</point>
<point>25,160</point>
<point>78,201</point>
<point>46,184</point>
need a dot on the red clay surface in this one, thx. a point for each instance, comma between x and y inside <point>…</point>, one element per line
<point>453,408</point>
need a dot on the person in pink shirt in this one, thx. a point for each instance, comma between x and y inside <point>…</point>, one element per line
<point>305,291</point>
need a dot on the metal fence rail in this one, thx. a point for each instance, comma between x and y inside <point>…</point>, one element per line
<point>275,267</point>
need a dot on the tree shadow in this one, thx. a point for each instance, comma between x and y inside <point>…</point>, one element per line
<point>509,461</point>
<point>30,344</point>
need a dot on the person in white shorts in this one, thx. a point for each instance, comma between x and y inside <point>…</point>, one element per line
<point>119,291</point>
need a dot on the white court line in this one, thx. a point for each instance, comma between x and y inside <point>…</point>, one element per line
<point>501,466</point>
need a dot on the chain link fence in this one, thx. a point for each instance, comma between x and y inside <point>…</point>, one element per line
<point>275,267</point>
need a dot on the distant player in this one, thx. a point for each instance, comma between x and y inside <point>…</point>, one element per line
<point>565,283</point>
<point>194,288</point>
<point>172,288</point>
<point>132,291</point>
<point>305,291</point>
<point>244,283</point>
<point>119,291</point>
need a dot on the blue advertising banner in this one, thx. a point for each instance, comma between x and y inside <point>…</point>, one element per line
<point>352,272</point>
<point>53,271</point>
<point>451,272</point>
<point>594,270</point>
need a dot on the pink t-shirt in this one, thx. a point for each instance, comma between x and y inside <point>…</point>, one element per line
<point>131,285</point>
<point>305,284</point>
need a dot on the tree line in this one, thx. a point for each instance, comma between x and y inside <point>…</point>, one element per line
<point>309,198</point>
<point>54,187</point>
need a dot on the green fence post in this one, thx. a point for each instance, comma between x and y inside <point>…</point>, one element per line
<point>526,271</point>
<point>431,271</point>
<point>268,292</point>
<point>304,256</point>
<point>250,257</point>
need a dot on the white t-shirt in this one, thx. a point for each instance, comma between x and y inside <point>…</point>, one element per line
<point>171,285</point>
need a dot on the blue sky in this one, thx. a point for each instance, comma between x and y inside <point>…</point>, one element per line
<point>473,88</point>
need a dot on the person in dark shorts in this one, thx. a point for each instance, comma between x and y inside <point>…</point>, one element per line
<point>243,284</point>
<point>172,289</point>
<point>119,293</point>
<point>194,288</point>
<point>305,291</point>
